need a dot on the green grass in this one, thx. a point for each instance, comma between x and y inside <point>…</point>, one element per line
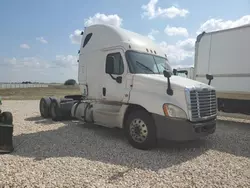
<point>38,93</point>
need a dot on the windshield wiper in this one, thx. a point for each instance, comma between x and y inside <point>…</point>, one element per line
<point>145,67</point>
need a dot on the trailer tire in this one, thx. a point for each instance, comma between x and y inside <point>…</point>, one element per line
<point>55,110</point>
<point>6,118</point>
<point>140,130</point>
<point>44,107</point>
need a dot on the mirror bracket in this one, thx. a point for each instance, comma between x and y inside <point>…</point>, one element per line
<point>112,76</point>
<point>117,79</point>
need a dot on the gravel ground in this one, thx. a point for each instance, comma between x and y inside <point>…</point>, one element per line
<point>69,154</point>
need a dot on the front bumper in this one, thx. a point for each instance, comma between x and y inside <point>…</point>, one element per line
<point>182,130</point>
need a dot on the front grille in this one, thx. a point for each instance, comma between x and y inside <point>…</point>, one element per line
<point>203,104</point>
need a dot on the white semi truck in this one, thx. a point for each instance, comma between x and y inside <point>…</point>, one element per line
<point>187,72</point>
<point>225,55</point>
<point>126,82</point>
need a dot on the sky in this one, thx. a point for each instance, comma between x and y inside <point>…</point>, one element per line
<point>39,40</point>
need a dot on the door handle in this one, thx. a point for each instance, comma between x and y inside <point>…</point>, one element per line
<point>104,91</point>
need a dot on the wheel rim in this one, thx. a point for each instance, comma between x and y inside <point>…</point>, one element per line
<point>138,130</point>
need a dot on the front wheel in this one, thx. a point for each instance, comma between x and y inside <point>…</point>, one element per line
<point>140,130</point>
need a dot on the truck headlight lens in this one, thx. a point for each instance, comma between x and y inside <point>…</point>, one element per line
<point>174,111</point>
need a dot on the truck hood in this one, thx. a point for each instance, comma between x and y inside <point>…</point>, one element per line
<point>155,81</point>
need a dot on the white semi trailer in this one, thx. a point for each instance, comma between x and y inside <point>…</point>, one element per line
<point>126,82</point>
<point>225,55</point>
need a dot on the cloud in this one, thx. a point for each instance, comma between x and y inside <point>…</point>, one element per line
<point>60,68</point>
<point>76,37</point>
<point>66,61</point>
<point>219,24</point>
<point>98,18</point>
<point>152,33</point>
<point>187,44</point>
<point>152,12</point>
<point>8,61</point>
<point>25,62</point>
<point>24,46</point>
<point>176,66</point>
<point>42,40</point>
<point>174,31</point>
<point>181,53</point>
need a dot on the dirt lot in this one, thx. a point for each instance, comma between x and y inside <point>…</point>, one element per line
<point>70,154</point>
<point>37,93</point>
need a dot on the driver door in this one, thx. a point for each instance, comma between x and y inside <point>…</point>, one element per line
<point>115,84</point>
<point>114,89</point>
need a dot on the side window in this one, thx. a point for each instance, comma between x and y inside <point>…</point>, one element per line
<point>86,40</point>
<point>118,63</point>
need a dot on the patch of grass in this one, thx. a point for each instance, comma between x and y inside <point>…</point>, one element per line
<point>38,93</point>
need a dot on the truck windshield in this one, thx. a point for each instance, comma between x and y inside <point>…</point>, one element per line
<point>146,63</point>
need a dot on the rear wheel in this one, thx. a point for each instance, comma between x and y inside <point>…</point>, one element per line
<point>6,118</point>
<point>55,110</point>
<point>140,130</point>
<point>45,107</point>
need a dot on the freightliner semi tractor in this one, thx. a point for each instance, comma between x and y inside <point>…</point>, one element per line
<point>127,82</point>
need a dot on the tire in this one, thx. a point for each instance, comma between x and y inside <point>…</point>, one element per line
<point>6,118</point>
<point>145,122</point>
<point>55,110</point>
<point>44,107</point>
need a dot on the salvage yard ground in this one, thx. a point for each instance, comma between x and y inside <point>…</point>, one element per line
<point>72,154</point>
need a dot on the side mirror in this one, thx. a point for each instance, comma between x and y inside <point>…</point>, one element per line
<point>169,89</point>
<point>166,74</point>
<point>110,65</point>
<point>175,71</point>
<point>209,77</point>
<point>119,79</point>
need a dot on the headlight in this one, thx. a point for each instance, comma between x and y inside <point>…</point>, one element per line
<point>174,111</point>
